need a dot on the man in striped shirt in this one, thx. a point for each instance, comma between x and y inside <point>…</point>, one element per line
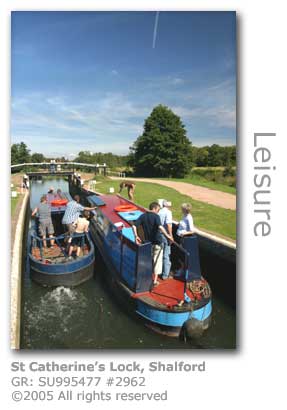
<point>72,213</point>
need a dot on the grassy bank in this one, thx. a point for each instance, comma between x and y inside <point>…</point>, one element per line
<point>14,202</point>
<point>207,217</point>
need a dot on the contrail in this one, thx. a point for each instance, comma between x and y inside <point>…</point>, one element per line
<point>155,29</point>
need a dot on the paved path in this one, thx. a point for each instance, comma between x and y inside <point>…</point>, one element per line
<point>199,193</point>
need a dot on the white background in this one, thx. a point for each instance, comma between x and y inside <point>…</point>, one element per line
<point>255,375</point>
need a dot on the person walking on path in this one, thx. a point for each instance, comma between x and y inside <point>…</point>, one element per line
<point>153,232</point>
<point>45,220</point>
<point>165,215</point>
<point>130,187</point>
<point>25,183</point>
<point>72,213</point>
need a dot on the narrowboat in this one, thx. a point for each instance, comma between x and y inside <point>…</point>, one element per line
<point>179,306</point>
<point>51,266</point>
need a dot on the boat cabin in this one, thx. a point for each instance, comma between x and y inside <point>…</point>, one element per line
<point>132,262</point>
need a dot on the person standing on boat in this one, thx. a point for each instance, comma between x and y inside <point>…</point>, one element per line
<point>185,226</point>
<point>130,187</point>
<point>153,230</point>
<point>50,195</point>
<point>45,220</point>
<point>165,215</point>
<point>81,227</point>
<point>72,213</point>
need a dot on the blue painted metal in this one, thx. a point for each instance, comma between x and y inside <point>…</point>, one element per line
<point>62,268</point>
<point>173,319</point>
<point>130,216</point>
<point>129,234</point>
<point>144,268</point>
<point>131,264</point>
<point>96,200</point>
<point>190,244</point>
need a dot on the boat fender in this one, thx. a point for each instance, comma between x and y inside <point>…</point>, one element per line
<point>192,329</point>
<point>125,208</point>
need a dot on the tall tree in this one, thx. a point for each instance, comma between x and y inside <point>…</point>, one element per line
<point>19,153</point>
<point>163,149</point>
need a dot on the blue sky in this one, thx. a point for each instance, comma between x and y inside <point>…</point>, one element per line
<point>87,80</point>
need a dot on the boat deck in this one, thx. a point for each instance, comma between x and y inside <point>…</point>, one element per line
<point>54,254</point>
<point>169,293</point>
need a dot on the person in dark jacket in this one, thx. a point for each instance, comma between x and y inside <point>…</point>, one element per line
<point>153,232</point>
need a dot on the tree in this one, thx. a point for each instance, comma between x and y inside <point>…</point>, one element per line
<point>112,160</point>
<point>37,157</point>
<point>163,149</point>
<point>215,156</point>
<point>200,156</point>
<point>20,154</point>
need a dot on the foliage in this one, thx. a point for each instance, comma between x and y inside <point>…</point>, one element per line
<point>163,150</point>
<point>19,153</point>
<point>228,171</point>
<point>217,175</point>
<point>214,156</point>
<point>37,157</point>
<point>112,160</point>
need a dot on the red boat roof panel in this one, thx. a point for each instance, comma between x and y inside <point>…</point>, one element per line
<point>112,202</point>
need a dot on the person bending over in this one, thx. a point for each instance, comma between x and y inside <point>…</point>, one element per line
<point>72,213</point>
<point>130,187</point>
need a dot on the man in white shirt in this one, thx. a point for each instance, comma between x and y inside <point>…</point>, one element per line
<point>185,226</point>
<point>165,215</point>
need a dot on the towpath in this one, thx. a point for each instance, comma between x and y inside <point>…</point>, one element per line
<point>199,193</point>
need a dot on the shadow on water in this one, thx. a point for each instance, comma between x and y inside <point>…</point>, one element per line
<point>89,317</point>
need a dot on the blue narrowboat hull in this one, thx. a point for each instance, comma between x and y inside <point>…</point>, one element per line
<point>160,318</point>
<point>71,273</point>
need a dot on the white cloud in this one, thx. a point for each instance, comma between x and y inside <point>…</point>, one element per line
<point>176,81</point>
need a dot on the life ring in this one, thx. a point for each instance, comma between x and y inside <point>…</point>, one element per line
<point>125,208</point>
<point>59,202</point>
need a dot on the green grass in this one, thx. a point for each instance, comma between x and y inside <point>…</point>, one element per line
<point>14,202</point>
<point>208,217</point>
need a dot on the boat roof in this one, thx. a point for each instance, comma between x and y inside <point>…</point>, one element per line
<point>113,201</point>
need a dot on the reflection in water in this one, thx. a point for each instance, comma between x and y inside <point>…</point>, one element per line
<point>88,317</point>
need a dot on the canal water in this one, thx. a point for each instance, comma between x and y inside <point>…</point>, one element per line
<point>88,317</point>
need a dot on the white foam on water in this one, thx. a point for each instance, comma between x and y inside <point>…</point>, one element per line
<point>54,315</point>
